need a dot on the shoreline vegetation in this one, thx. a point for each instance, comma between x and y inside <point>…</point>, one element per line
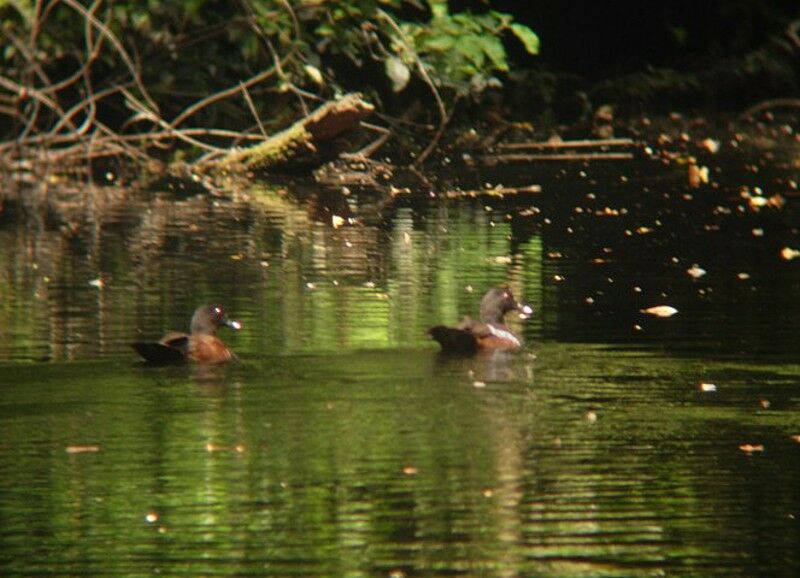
<point>84,84</point>
<point>254,87</point>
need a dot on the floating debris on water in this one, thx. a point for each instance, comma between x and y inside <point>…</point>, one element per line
<point>787,253</point>
<point>82,449</point>
<point>695,271</point>
<point>660,311</point>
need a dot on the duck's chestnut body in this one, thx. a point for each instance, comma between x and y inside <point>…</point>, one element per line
<point>200,345</point>
<point>490,333</point>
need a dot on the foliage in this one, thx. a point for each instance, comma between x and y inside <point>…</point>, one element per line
<point>461,46</point>
<point>67,65</point>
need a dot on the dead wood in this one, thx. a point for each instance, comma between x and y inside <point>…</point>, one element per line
<point>307,141</point>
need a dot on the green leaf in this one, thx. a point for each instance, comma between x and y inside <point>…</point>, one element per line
<point>438,8</point>
<point>527,37</point>
<point>325,30</point>
<point>496,53</point>
<point>439,43</point>
<point>473,49</point>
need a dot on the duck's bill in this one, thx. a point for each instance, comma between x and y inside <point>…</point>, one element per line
<point>524,310</point>
<point>235,325</point>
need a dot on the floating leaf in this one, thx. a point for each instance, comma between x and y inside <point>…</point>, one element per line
<point>708,387</point>
<point>697,175</point>
<point>661,311</point>
<point>787,253</point>
<point>695,271</point>
<point>82,449</point>
<point>776,201</point>
<point>751,448</point>
<point>710,145</point>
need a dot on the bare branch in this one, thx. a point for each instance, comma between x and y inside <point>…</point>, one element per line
<point>444,117</point>
<point>117,45</point>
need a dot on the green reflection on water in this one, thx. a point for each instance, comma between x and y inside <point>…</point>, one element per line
<point>342,445</point>
<point>298,284</point>
<point>367,463</point>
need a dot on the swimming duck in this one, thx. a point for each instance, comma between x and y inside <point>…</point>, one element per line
<point>490,333</point>
<point>200,345</point>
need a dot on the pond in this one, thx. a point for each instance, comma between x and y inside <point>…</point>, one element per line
<point>342,443</point>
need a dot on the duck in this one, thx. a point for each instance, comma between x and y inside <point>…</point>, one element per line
<point>490,333</point>
<point>200,345</point>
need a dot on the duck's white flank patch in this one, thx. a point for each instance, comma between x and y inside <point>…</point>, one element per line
<point>504,334</point>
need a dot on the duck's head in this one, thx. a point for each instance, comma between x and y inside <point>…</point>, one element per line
<point>498,301</point>
<point>208,318</point>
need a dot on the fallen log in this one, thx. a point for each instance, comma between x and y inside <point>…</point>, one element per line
<point>309,141</point>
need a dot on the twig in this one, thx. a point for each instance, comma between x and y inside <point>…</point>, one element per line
<point>30,92</point>
<point>444,118</point>
<point>253,110</point>
<point>93,49</point>
<point>117,45</point>
<point>571,144</point>
<point>221,95</point>
<point>89,101</point>
<point>772,103</point>
<point>297,91</point>
<point>368,150</point>
<point>792,32</point>
<point>495,191</point>
<point>514,158</point>
<point>149,115</point>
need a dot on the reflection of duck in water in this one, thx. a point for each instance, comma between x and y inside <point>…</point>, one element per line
<point>201,345</point>
<point>488,334</point>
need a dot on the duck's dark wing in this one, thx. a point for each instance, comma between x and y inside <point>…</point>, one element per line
<point>454,340</point>
<point>158,353</point>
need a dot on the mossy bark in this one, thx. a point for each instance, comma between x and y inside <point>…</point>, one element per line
<point>307,141</point>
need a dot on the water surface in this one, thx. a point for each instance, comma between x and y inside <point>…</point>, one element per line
<point>343,444</point>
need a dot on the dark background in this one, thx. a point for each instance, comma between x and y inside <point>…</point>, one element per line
<point>598,39</point>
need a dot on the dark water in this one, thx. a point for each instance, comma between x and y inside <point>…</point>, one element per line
<point>344,445</point>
